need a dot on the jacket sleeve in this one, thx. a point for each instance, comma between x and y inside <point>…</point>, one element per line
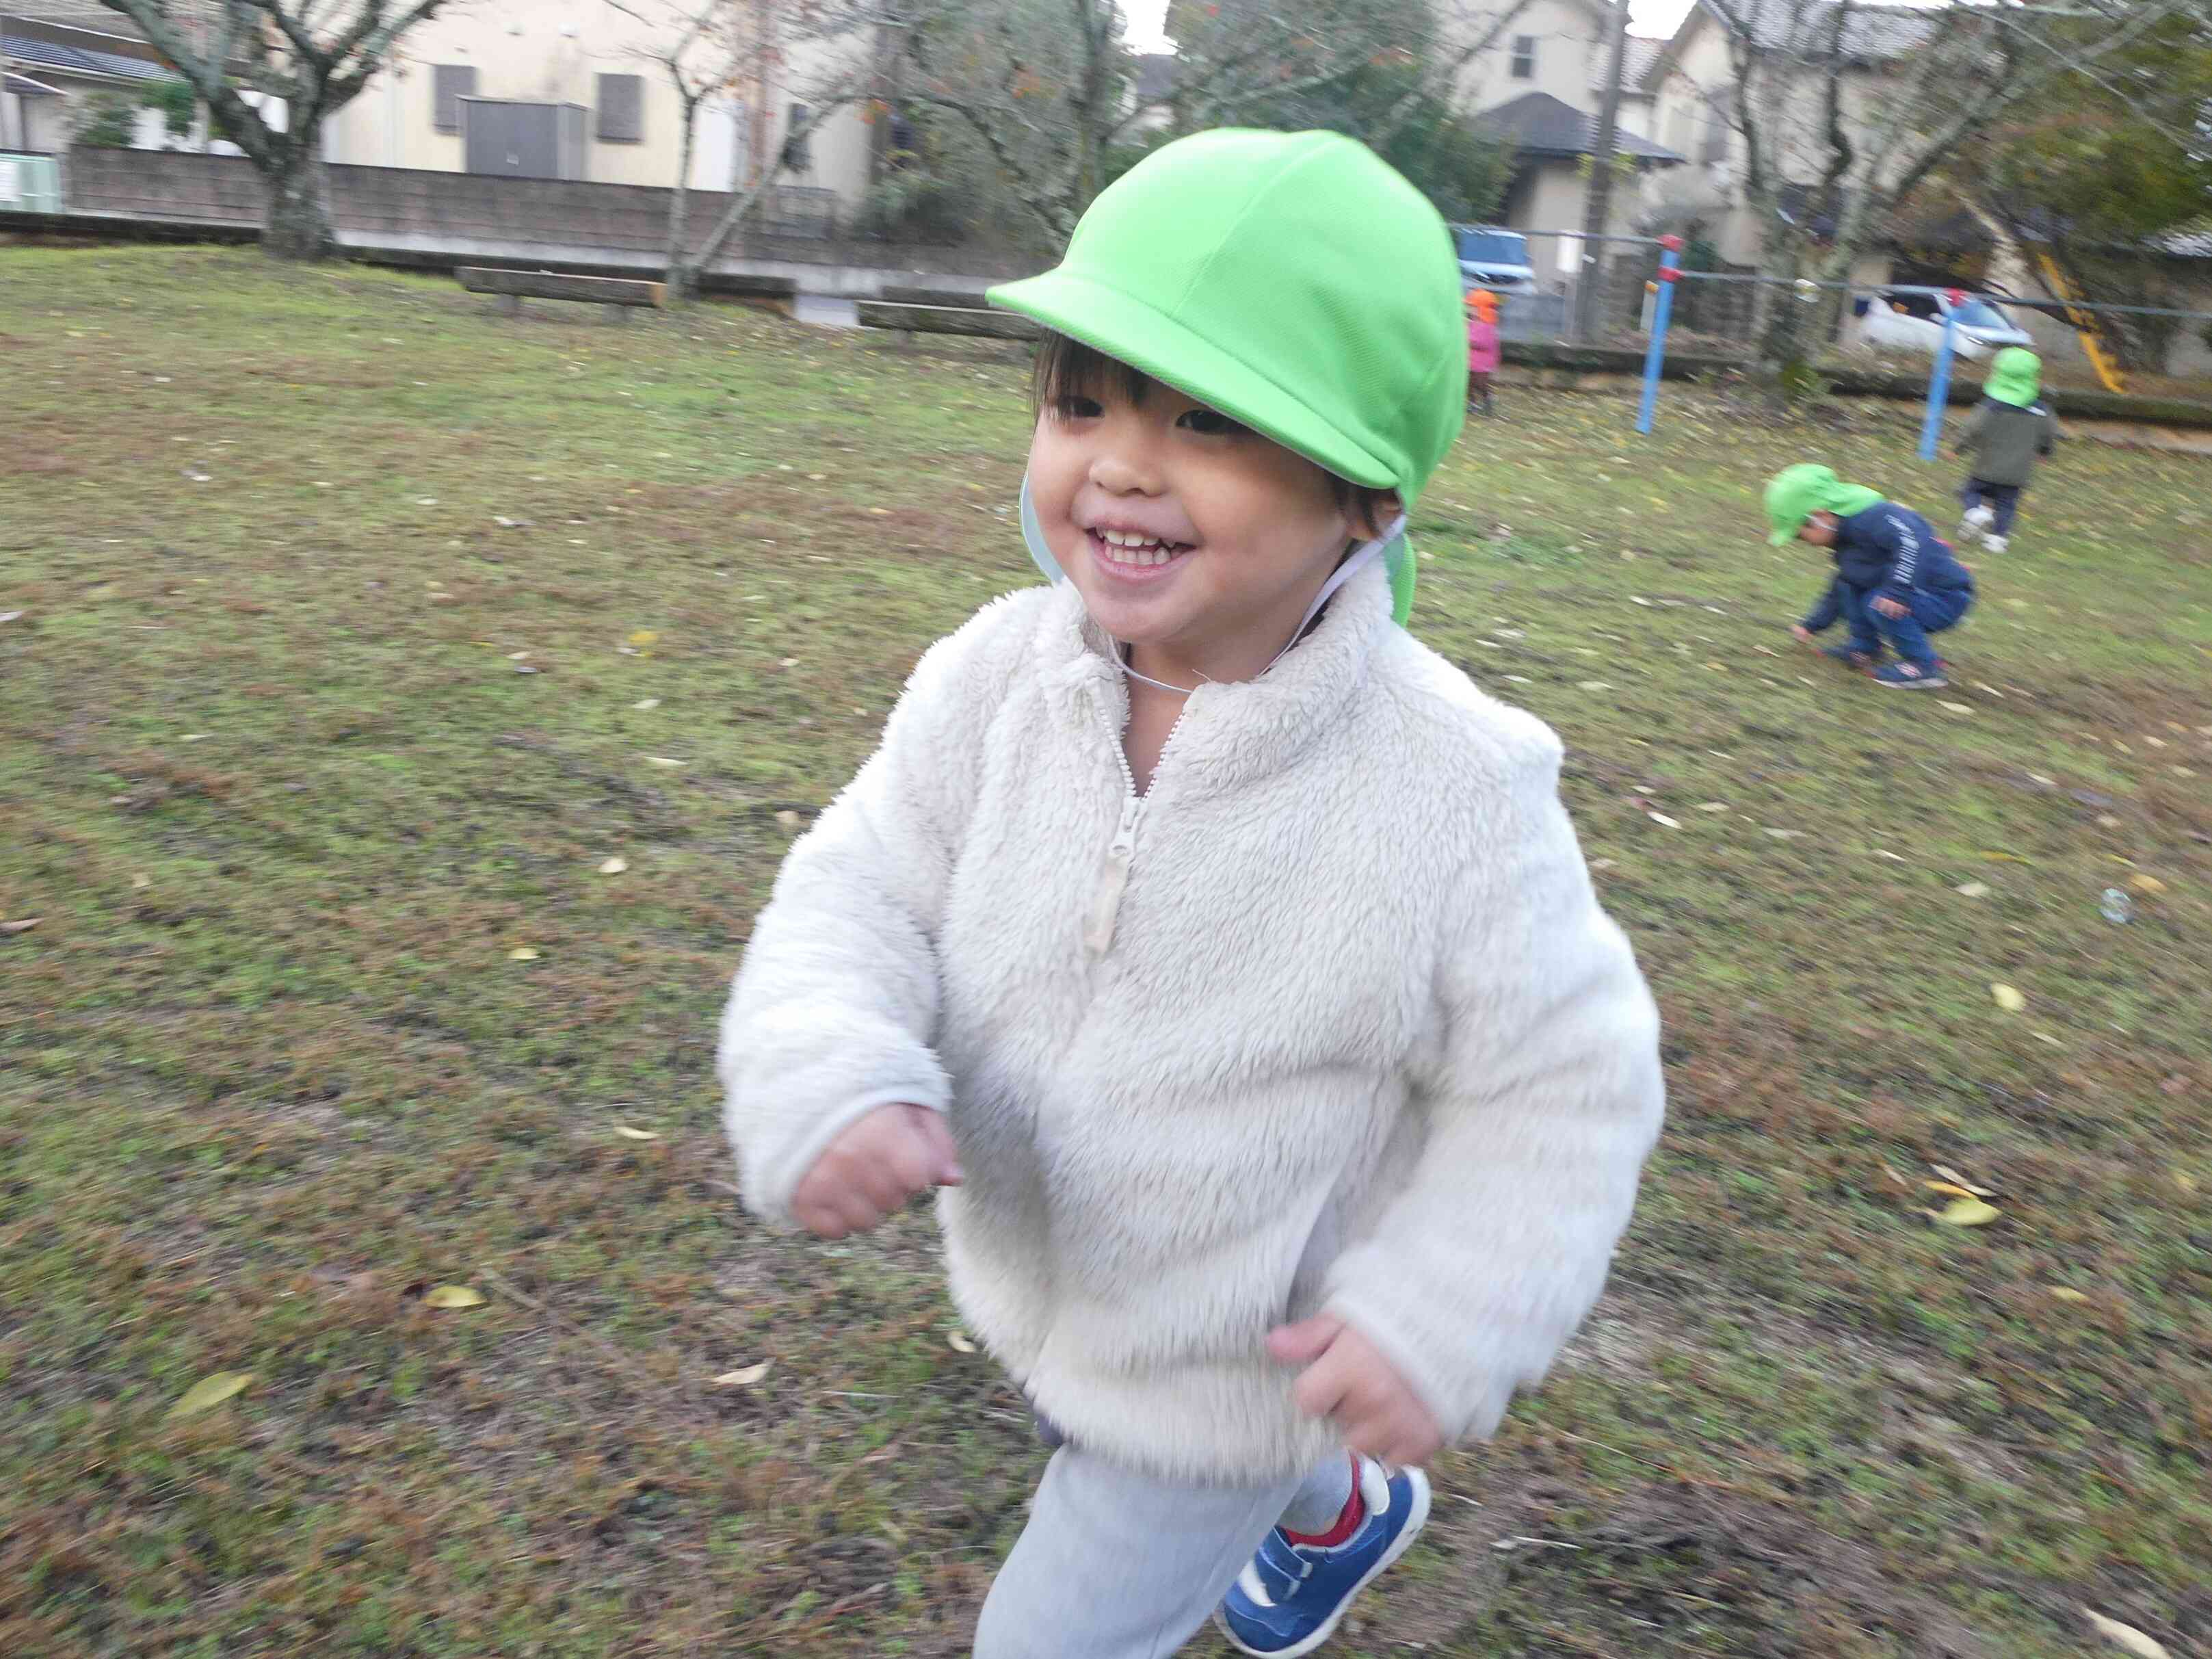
<point>1969,441</point>
<point>1542,1102</point>
<point>1904,547</point>
<point>834,1010</point>
<point>1826,611</point>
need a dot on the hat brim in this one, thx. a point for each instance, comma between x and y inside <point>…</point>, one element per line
<point>1135,333</point>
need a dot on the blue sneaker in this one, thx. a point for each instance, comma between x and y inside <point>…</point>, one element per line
<point>1288,1600</point>
<point>1913,676</point>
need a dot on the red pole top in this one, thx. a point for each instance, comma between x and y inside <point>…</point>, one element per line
<point>1957,297</point>
<point>1672,243</point>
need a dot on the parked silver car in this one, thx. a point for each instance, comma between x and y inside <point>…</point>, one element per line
<point>1893,321</point>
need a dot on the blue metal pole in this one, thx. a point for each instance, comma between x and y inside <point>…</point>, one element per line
<point>1939,391</point>
<point>1655,355</point>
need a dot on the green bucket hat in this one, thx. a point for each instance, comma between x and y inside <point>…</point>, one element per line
<point>1796,493</point>
<point>2015,377</point>
<point>1295,281</point>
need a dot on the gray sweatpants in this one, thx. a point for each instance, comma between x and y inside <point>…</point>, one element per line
<point>1117,1564</point>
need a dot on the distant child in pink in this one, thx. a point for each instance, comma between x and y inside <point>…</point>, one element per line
<point>1481,346</point>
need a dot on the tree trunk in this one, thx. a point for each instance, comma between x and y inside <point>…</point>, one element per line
<point>681,278</point>
<point>298,226</point>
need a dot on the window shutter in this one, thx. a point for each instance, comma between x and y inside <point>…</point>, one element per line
<point>621,109</point>
<point>449,84</point>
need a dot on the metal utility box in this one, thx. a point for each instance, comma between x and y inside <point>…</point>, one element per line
<point>518,140</point>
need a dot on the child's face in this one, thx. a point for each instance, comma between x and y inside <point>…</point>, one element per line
<point>1819,530</point>
<point>1237,533</point>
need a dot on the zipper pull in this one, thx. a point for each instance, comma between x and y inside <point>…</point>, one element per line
<point>1113,881</point>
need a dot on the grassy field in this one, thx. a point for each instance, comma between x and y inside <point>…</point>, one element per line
<point>360,629</point>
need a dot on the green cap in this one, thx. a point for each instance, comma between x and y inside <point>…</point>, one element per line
<point>1295,281</point>
<point>2015,377</point>
<point>1796,493</point>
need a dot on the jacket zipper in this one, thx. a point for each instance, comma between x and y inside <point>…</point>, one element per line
<point>1121,853</point>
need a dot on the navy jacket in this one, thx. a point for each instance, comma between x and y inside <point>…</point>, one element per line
<point>1891,550</point>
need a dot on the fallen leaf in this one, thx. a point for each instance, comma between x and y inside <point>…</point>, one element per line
<point>1948,1188</point>
<point>647,702</point>
<point>1712,806</point>
<point>661,760</point>
<point>1638,599</point>
<point>23,925</point>
<point>142,881</point>
<point>629,1134</point>
<point>788,662</point>
<point>518,656</point>
<point>2125,1636</point>
<point>2006,857</point>
<point>613,866</point>
<point>959,1342</point>
<point>210,1391</point>
<point>2147,883</point>
<point>2007,999</point>
<point>10,615</point>
<point>522,953</point>
<point>2108,821</point>
<point>643,636</point>
<point>2045,1038</point>
<point>453,1296</point>
<point>2186,1182</point>
<point>1959,708</point>
<point>1784,835</point>
<point>1596,685</point>
<point>2066,1293</point>
<point>788,822</point>
<point>1662,820</point>
<point>745,1376</point>
<point>1965,1213</point>
<point>1952,1175</point>
<point>1973,890</point>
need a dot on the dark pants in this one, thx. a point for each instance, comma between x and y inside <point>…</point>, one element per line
<point>1930,613</point>
<point>1478,389</point>
<point>2003,500</point>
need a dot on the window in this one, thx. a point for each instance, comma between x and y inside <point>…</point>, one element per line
<point>1678,129</point>
<point>449,84</point>
<point>798,151</point>
<point>1524,56</point>
<point>621,109</point>
<point>1717,129</point>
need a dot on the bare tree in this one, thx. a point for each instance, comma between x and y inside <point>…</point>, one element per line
<point>822,56</point>
<point>1045,84</point>
<point>311,57</point>
<point>1845,109</point>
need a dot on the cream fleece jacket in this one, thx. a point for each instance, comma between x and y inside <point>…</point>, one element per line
<point>1332,1020</point>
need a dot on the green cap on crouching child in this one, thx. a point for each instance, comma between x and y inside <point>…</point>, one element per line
<point>1295,281</point>
<point>1796,493</point>
<point>2015,377</point>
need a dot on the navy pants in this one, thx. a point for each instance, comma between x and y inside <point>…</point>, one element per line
<point>2003,499</point>
<point>1930,613</point>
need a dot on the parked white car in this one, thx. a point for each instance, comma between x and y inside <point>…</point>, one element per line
<point>1891,321</point>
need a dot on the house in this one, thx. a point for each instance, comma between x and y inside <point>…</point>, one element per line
<point>575,89</point>
<point>1691,84</point>
<point>1540,84</point>
<point>53,66</point>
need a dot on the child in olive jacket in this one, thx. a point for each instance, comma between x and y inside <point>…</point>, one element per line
<point>2009,432</point>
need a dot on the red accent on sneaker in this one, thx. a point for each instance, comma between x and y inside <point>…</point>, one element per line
<point>1347,1523</point>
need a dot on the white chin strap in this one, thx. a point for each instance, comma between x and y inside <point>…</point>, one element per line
<point>1359,558</point>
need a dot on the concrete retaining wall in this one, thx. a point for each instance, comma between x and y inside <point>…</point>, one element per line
<point>472,217</point>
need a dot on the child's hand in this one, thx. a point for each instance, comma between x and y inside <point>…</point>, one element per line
<point>1891,607</point>
<point>1799,633</point>
<point>871,1169</point>
<point>1346,1378</point>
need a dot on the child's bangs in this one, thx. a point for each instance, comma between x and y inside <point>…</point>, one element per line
<point>1067,367</point>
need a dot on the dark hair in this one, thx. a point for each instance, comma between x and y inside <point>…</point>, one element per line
<point>1066,368</point>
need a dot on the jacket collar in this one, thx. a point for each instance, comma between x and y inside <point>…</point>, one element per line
<point>1232,732</point>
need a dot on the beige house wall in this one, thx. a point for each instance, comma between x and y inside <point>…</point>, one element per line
<point>553,51</point>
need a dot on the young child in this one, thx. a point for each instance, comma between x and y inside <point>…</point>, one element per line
<point>1223,956</point>
<point>2008,433</point>
<point>1896,582</point>
<point>1482,348</point>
